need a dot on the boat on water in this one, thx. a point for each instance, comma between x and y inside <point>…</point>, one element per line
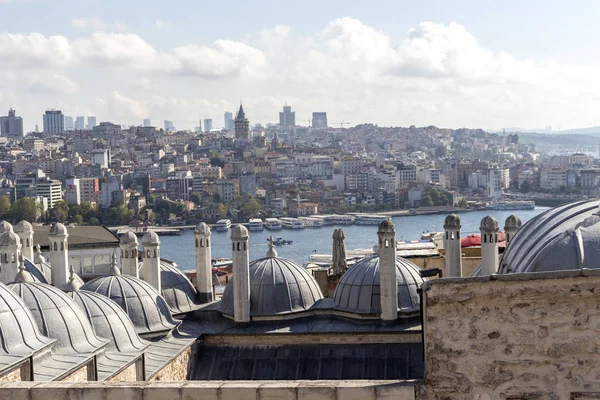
<point>273,224</point>
<point>511,205</point>
<point>335,219</point>
<point>369,219</point>
<point>312,222</point>
<point>221,262</point>
<point>256,224</point>
<point>279,241</point>
<point>291,223</point>
<point>223,225</point>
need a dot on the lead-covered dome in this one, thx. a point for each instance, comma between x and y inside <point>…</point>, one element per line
<point>59,317</point>
<point>19,332</point>
<point>277,286</point>
<point>23,227</point>
<point>562,238</point>
<point>146,308</point>
<point>10,238</point>
<point>128,238</point>
<point>109,321</point>
<point>358,290</point>
<point>58,229</point>
<point>150,237</point>
<point>5,226</point>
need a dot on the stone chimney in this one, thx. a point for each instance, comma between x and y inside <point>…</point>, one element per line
<point>59,255</point>
<point>203,263</point>
<point>489,245</point>
<point>25,232</point>
<point>151,256</point>
<point>511,226</point>
<point>453,257</point>
<point>241,275</point>
<point>128,244</point>
<point>10,251</point>
<point>387,272</point>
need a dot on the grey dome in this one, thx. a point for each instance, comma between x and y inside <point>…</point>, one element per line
<point>146,308</point>
<point>60,318</point>
<point>23,226</point>
<point>452,221</point>
<point>9,238</point>
<point>512,222</point>
<point>128,238</point>
<point>36,272</point>
<point>239,232</point>
<point>358,290</point>
<point>277,286</point>
<point>562,238</point>
<point>58,229</point>
<point>203,228</point>
<point>19,333</point>
<point>5,226</point>
<point>109,321</point>
<point>150,237</point>
<point>176,288</point>
<point>489,224</point>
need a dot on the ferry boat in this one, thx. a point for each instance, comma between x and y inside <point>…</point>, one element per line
<point>273,224</point>
<point>291,223</point>
<point>511,205</point>
<point>334,219</point>
<point>369,219</point>
<point>256,224</point>
<point>279,241</point>
<point>312,222</point>
<point>223,225</point>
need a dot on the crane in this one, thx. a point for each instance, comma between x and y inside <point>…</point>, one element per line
<point>341,124</point>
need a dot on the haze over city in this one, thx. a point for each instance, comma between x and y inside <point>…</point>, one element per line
<point>465,64</point>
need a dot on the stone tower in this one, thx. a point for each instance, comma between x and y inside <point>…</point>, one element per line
<point>129,254</point>
<point>25,232</point>
<point>387,272</point>
<point>151,255</point>
<point>10,251</point>
<point>452,246</point>
<point>241,275</point>
<point>59,255</point>
<point>489,245</point>
<point>203,263</point>
<point>242,125</point>
<point>511,226</point>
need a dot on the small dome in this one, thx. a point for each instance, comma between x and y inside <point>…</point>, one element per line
<point>9,238</point>
<point>387,226</point>
<point>23,227</point>
<point>5,226</point>
<point>512,222</point>
<point>452,221</point>
<point>489,224</point>
<point>358,290</point>
<point>37,272</point>
<point>239,232</point>
<point>146,308</point>
<point>60,318</point>
<point>203,228</point>
<point>19,333</point>
<point>58,229</point>
<point>150,237</point>
<point>176,288</point>
<point>109,321</point>
<point>277,286</point>
<point>128,238</point>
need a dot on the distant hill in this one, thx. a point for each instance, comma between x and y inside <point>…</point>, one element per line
<point>594,130</point>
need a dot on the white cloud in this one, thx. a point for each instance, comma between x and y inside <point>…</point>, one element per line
<point>34,50</point>
<point>160,24</point>
<point>122,107</point>
<point>116,49</point>
<point>92,23</point>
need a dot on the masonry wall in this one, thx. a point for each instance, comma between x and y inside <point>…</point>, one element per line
<point>177,369</point>
<point>129,374</point>
<point>521,336</point>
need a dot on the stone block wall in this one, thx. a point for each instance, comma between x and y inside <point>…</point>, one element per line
<point>520,336</point>
<point>177,369</point>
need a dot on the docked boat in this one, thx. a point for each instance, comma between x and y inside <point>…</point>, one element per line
<point>279,241</point>
<point>369,219</point>
<point>334,219</point>
<point>291,223</point>
<point>273,224</point>
<point>511,205</point>
<point>312,222</point>
<point>223,225</point>
<point>256,224</point>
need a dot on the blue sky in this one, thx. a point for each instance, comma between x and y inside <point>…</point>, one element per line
<point>461,63</point>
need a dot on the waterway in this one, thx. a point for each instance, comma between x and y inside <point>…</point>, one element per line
<point>319,240</point>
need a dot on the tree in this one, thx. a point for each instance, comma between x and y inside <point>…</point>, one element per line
<point>94,221</point>
<point>251,207</point>
<point>4,207</point>
<point>60,211</point>
<point>426,201</point>
<point>78,219</point>
<point>440,151</point>
<point>23,209</point>
<point>195,198</point>
<point>222,210</point>
<point>463,203</point>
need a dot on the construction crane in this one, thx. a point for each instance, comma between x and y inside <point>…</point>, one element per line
<point>341,123</point>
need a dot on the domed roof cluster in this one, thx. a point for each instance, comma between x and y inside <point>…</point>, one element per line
<point>277,286</point>
<point>565,237</point>
<point>358,291</point>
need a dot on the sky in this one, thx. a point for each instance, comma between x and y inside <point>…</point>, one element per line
<point>476,64</point>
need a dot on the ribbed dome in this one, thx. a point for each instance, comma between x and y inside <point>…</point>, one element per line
<point>5,226</point>
<point>19,333</point>
<point>562,238</point>
<point>23,226</point>
<point>358,290</point>
<point>150,237</point>
<point>146,308</point>
<point>58,229</point>
<point>176,288</point>
<point>128,238</point>
<point>203,228</point>
<point>277,286</point>
<point>36,273</point>
<point>109,321</point>
<point>60,318</point>
<point>489,224</point>
<point>9,238</point>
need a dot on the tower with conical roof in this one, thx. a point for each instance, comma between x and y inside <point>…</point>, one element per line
<point>242,125</point>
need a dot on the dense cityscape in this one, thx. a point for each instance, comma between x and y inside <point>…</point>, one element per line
<point>85,172</point>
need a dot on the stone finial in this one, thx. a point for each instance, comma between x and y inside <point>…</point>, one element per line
<point>489,224</point>
<point>114,268</point>
<point>452,222</point>
<point>271,253</point>
<point>73,285</point>
<point>39,257</point>
<point>23,275</point>
<point>387,227</point>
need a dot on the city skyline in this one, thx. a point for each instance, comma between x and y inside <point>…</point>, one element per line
<point>464,64</point>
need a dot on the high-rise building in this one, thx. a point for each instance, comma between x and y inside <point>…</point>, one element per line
<point>242,125</point>
<point>54,121</point>
<point>79,123</point>
<point>169,125</point>
<point>36,129</point>
<point>91,123</point>
<point>147,122</point>
<point>287,118</point>
<point>208,125</point>
<point>11,125</point>
<point>69,123</point>
<point>319,120</point>
<point>229,125</point>
<point>101,157</point>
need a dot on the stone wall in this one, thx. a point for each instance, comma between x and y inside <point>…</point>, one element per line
<point>129,374</point>
<point>284,390</point>
<point>81,375</point>
<point>520,336</point>
<point>14,375</point>
<point>177,369</point>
